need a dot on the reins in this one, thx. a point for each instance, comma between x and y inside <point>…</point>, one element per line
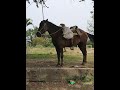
<point>55,32</point>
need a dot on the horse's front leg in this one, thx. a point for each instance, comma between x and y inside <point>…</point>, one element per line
<point>58,56</point>
<point>61,51</point>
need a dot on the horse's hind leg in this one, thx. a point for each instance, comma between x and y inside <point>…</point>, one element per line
<point>82,47</point>
<point>64,49</point>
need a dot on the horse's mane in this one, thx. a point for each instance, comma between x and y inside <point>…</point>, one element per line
<point>53,25</point>
<point>54,28</point>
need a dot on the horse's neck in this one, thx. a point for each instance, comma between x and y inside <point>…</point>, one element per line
<point>54,31</point>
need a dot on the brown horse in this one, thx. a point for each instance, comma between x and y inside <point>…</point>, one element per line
<point>60,42</point>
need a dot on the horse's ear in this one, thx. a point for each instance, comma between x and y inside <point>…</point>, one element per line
<point>46,19</point>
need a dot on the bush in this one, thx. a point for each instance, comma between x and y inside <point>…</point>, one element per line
<point>46,42</point>
<point>89,46</point>
<point>90,43</point>
<point>85,77</point>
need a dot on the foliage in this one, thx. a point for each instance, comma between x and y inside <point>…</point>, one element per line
<point>28,21</point>
<point>45,42</point>
<point>91,22</point>
<point>74,78</point>
<point>28,32</point>
<point>43,2</point>
<point>85,77</point>
<point>89,42</point>
<point>91,25</point>
<point>31,32</point>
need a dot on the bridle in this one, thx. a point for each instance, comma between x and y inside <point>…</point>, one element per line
<point>40,30</point>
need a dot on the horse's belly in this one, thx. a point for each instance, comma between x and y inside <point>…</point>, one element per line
<point>67,42</point>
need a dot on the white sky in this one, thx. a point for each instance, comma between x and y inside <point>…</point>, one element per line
<point>69,12</point>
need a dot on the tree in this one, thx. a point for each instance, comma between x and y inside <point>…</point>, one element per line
<point>43,2</point>
<point>91,25</point>
<point>31,32</point>
<point>91,22</point>
<point>35,30</point>
<point>28,22</point>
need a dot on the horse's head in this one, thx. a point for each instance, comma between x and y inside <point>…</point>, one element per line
<point>42,28</point>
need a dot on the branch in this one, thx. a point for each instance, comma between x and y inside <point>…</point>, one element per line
<point>28,1</point>
<point>81,0</point>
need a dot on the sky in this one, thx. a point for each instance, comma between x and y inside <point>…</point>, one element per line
<point>69,12</point>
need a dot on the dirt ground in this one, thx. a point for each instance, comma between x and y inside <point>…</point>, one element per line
<point>52,63</point>
<point>58,86</point>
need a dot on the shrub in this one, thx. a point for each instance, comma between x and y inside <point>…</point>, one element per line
<point>46,42</point>
<point>90,43</point>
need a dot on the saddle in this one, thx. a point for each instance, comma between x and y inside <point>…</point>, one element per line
<point>76,30</point>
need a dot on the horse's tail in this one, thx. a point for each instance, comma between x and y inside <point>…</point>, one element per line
<point>91,37</point>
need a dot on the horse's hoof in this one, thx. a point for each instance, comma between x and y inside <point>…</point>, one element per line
<point>61,65</point>
<point>58,65</point>
<point>83,63</point>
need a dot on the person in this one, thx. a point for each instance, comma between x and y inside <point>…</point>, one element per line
<point>67,34</point>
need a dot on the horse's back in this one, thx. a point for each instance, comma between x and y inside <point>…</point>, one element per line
<point>83,35</point>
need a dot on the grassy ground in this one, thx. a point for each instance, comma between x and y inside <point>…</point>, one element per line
<point>50,53</point>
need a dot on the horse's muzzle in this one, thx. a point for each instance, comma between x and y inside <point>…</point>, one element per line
<point>38,34</point>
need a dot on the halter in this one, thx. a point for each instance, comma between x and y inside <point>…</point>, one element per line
<point>40,30</point>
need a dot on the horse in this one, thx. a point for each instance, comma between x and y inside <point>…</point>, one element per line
<point>60,42</point>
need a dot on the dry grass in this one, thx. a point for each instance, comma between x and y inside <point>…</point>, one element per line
<point>49,50</point>
<point>49,53</point>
